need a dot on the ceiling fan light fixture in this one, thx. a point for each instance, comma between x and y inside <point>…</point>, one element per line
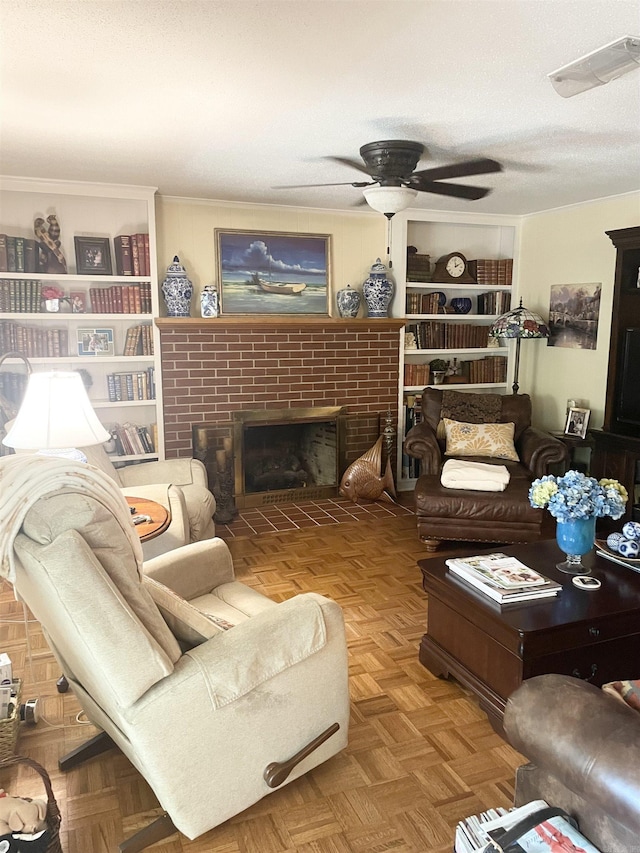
<point>389,200</point>
<point>601,66</point>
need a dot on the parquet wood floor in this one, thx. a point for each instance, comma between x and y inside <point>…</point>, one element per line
<point>421,754</point>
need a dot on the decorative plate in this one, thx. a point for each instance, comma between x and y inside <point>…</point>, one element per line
<point>601,544</point>
<point>442,298</point>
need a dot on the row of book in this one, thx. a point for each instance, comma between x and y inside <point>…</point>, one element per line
<point>494,302</point>
<point>488,369</point>
<point>423,303</point>
<point>492,271</point>
<point>33,341</point>
<point>121,299</point>
<point>19,254</point>
<point>132,440</point>
<point>139,340</point>
<point>132,254</point>
<point>501,578</point>
<point>418,267</point>
<point>20,296</point>
<point>412,416</point>
<point>436,334</point>
<point>140,385</point>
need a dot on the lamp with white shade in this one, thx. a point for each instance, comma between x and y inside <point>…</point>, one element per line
<point>57,416</point>
<point>520,324</point>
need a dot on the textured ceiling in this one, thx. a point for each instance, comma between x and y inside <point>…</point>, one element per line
<point>225,100</point>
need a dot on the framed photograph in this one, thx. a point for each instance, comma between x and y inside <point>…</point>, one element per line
<point>273,272</point>
<point>93,255</point>
<point>95,342</point>
<point>577,420</point>
<point>78,299</point>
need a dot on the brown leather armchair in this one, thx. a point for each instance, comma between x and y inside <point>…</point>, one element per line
<point>476,516</point>
<point>584,749</point>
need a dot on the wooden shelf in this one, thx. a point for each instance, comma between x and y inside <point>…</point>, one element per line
<point>275,321</point>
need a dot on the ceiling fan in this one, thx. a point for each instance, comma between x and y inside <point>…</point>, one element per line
<point>395,183</point>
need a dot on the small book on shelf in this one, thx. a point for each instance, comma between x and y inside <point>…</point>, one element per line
<point>503,579</point>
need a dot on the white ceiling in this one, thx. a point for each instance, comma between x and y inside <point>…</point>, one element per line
<point>225,100</point>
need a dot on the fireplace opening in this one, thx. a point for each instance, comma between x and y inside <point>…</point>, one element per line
<point>287,454</point>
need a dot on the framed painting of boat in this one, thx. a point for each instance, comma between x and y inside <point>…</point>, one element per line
<point>273,272</point>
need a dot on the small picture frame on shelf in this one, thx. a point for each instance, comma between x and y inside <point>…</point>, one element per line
<point>78,299</point>
<point>93,255</point>
<point>577,421</point>
<point>95,342</point>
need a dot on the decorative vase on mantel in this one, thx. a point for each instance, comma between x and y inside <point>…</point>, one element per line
<point>348,302</point>
<point>575,537</point>
<point>378,291</point>
<point>177,290</point>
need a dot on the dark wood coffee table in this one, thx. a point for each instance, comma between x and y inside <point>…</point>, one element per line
<point>594,635</point>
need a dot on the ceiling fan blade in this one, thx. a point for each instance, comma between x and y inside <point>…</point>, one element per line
<point>459,170</point>
<point>342,184</point>
<point>455,190</point>
<point>346,161</point>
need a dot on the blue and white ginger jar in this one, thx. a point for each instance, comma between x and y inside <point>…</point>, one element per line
<point>177,290</point>
<point>209,301</point>
<point>378,291</point>
<point>348,302</point>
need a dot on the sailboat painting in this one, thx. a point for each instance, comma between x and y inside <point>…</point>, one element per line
<point>273,272</point>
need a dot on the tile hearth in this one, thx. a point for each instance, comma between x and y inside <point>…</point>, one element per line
<point>295,516</point>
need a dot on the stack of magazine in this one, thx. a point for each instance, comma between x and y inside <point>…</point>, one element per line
<point>474,833</point>
<point>503,579</point>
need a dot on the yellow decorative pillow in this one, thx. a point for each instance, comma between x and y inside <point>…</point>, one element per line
<point>495,440</point>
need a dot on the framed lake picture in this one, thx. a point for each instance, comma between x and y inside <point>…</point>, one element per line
<point>273,272</point>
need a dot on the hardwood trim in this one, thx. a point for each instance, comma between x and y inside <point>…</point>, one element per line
<point>260,322</point>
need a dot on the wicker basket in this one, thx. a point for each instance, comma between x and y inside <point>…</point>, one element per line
<point>53,812</point>
<point>9,726</point>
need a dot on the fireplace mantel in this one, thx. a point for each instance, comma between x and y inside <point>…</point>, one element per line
<point>278,321</point>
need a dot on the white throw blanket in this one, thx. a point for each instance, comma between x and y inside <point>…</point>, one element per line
<point>26,479</point>
<point>457,474</point>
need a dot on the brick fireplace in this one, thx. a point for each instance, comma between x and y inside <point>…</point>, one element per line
<point>213,368</point>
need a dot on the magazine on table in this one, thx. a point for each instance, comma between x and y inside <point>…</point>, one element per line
<point>501,570</point>
<point>502,596</point>
<point>495,590</point>
<point>475,832</point>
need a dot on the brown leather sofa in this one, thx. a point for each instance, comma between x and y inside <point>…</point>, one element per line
<point>475,516</point>
<point>584,749</point>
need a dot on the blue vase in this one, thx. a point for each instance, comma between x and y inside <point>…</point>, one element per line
<point>575,538</point>
<point>378,291</point>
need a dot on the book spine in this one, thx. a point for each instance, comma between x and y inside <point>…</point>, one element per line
<point>19,254</point>
<point>122,246</point>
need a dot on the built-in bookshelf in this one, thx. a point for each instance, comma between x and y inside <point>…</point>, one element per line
<point>95,317</point>
<point>448,321</point>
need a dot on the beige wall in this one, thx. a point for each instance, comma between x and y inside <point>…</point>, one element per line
<point>565,246</point>
<point>569,246</point>
<point>185,227</point>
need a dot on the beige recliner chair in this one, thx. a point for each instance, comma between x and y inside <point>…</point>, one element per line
<point>180,485</point>
<point>214,711</point>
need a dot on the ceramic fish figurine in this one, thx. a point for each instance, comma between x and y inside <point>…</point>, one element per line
<point>362,478</point>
